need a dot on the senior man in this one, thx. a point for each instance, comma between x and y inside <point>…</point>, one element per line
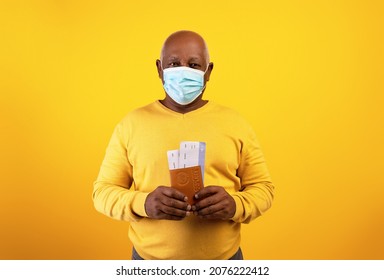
<point>133,184</point>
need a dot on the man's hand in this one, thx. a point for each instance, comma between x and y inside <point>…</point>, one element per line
<point>214,203</point>
<point>167,203</point>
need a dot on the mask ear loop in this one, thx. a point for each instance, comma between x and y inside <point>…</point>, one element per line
<point>202,90</point>
<point>206,69</point>
<point>204,76</point>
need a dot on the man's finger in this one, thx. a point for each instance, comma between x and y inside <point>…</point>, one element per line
<point>206,202</point>
<point>210,210</point>
<point>174,203</point>
<point>207,191</point>
<point>173,193</point>
<point>174,211</point>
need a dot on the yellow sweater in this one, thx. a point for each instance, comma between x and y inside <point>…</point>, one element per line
<point>135,164</point>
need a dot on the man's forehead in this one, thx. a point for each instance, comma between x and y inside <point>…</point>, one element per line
<point>183,45</point>
<point>177,57</point>
<point>187,50</point>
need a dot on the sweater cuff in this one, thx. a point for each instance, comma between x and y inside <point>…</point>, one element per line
<point>138,204</point>
<point>239,209</point>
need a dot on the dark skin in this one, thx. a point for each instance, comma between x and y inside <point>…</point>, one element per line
<point>186,48</point>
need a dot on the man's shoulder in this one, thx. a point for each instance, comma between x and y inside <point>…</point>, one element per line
<point>226,111</point>
<point>140,112</point>
<point>138,116</point>
<point>230,118</point>
<point>148,108</point>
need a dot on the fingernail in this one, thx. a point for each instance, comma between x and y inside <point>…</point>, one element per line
<point>189,207</point>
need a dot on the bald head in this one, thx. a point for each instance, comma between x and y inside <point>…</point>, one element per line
<point>185,48</point>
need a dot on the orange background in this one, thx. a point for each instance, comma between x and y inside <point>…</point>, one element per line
<point>307,74</point>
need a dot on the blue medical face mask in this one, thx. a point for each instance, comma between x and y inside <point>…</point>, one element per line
<point>183,84</point>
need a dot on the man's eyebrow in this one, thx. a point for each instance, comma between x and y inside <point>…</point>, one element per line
<point>195,58</point>
<point>173,57</point>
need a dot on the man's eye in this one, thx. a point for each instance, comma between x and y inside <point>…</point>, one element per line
<point>174,64</point>
<point>194,65</point>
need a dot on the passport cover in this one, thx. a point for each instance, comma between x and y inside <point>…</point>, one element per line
<point>187,180</point>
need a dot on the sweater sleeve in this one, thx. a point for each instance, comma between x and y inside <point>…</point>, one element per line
<point>256,193</point>
<point>112,193</point>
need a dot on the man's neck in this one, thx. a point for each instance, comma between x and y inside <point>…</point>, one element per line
<point>183,109</point>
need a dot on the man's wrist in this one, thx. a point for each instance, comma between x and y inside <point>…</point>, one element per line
<point>238,208</point>
<point>138,204</point>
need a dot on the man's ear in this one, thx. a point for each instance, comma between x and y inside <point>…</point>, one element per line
<point>159,69</point>
<point>208,73</point>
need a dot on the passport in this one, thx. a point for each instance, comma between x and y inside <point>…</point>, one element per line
<point>188,181</point>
